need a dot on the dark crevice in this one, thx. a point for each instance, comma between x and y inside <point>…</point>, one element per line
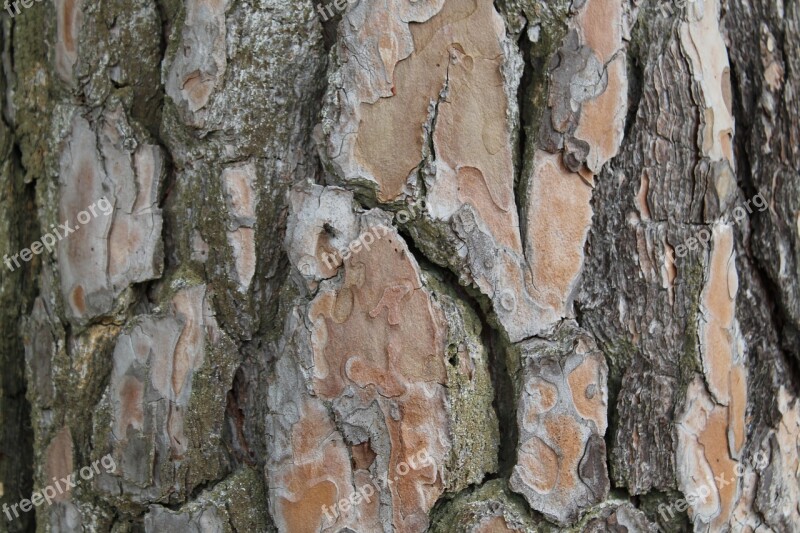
<point>17,457</point>
<point>6,68</point>
<point>234,429</point>
<point>330,18</point>
<point>784,325</point>
<point>504,403</point>
<point>635,68</point>
<point>523,104</point>
<point>167,12</point>
<point>17,440</point>
<point>147,291</point>
<point>496,345</point>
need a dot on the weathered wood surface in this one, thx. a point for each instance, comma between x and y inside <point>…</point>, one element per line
<point>446,265</point>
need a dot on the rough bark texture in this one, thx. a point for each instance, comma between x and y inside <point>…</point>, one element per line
<point>440,265</point>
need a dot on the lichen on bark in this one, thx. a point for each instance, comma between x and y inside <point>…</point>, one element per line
<point>423,266</point>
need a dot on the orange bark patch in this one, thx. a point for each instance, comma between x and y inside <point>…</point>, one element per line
<point>58,460</point>
<point>543,397</point>
<point>68,24</point>
<point>78,299</point>
<point>415,491</point>
<point>303,515</point>
<point>561,468</point>
<point>318,475</point>
<point>586,383</point>
<point>240,183</point>
<point>388,308</point>
<point>560,215</point>
<point>390,135</point>
<point>363,456</point>
<point>82,253</point>
<point>719,306</point>
<point>132,409</point>
<point>714,440</point>
<point>603,118</point>
<point>641,196</point>
<point>381,335</point>
<point>69,8</point>
<point>243,243</point>
<point>702,40</point>
<point>704,458</point>
<point>540,465</point>
<point>311,430</point>
<point>126,237</point>
<point>566,438</point>
<point>495,524</point>
<point>189,306</point>
<point>147,173</point>
<point>197,88</point>
<point>471,135</point>
<point>601,22</point>
<point>737,409</point>
<point>328,258</point>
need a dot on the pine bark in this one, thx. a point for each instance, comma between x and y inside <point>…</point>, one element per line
<point>449,266</point>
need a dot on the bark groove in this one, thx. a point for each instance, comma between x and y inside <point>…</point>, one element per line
<point>391,265</point>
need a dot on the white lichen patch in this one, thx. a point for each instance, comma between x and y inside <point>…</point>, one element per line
<point>321,228</point>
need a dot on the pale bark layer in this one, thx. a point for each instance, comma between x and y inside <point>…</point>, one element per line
<point>403,266</point>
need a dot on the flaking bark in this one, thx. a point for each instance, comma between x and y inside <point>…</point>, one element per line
<point>417,267</point>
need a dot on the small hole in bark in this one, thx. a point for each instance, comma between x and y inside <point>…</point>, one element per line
<point>453,359</point>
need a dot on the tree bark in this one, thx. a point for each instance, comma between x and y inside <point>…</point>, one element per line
<point>449,266</point>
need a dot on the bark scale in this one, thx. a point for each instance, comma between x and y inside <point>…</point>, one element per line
<point>450,265</point>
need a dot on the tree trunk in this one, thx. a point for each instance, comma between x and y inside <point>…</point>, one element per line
<point>400,266</point>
